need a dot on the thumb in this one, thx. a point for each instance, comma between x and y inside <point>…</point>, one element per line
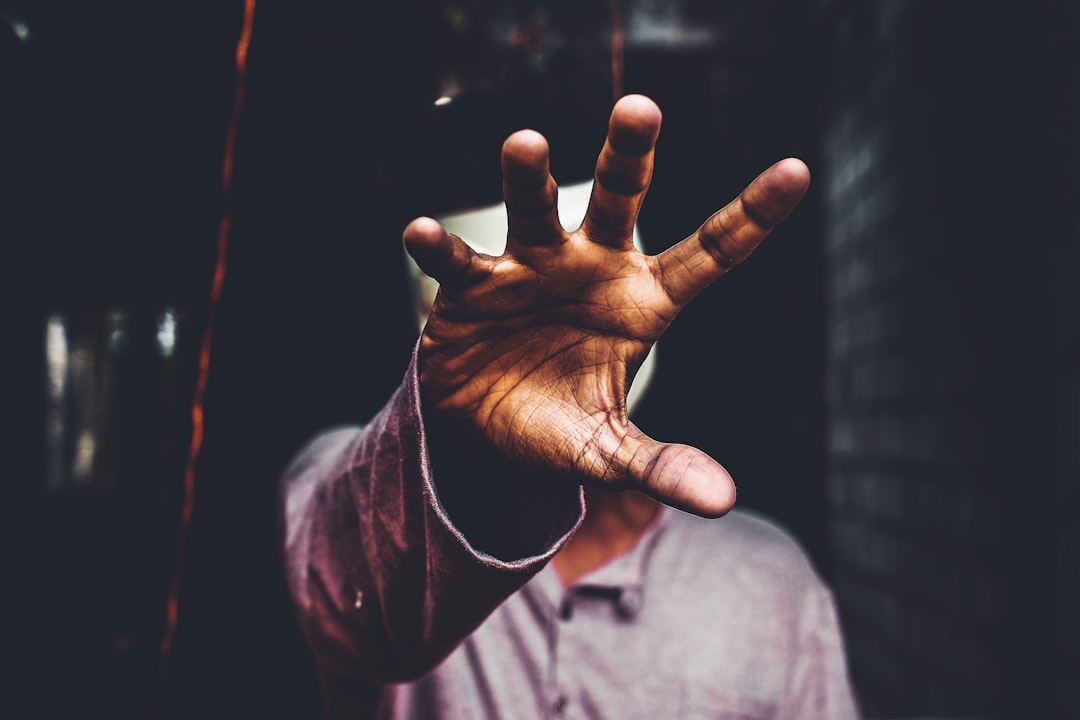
<point>678,475</point>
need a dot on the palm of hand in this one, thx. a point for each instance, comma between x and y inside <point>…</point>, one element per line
<point>535,350</point>
<point>542,369</point>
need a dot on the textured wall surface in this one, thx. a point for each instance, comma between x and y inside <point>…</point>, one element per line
<point>951,273</point>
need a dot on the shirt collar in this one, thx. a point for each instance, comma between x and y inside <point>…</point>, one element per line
<point>622,578</point>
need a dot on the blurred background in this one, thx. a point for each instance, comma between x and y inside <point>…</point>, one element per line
<point>894,376</point>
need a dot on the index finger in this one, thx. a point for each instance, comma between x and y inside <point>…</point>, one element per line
<point>730,235</point>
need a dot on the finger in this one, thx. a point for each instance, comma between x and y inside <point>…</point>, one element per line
<point>730,235</point>
<point>677,475</point>
<point>443,256</point>
<point>623,172</point>
<point>529,191</point>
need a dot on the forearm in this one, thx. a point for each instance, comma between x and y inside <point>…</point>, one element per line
<point>386,580</point>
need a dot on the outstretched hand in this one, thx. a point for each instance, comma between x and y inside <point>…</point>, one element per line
<point>535,350</point>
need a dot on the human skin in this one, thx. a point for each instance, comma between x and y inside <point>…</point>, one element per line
<point>533,351</point>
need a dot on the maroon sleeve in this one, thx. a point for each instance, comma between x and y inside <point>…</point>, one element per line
<point>386,580</point>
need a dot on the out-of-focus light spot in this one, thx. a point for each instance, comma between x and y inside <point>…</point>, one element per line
<point>56,384</point>
<point>450,87</point>
<point>166,332</point>
<point>21,30</point>
<point>82,469</point>
<point>56,355</point>
<point>117,331</point>
<point>456,17</point>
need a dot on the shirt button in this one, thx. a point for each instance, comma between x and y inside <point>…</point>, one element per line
<point>630,601</point>
<point>559,706</point>
<point>566,611</point>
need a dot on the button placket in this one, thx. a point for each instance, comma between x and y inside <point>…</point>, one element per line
<point>562,613</point>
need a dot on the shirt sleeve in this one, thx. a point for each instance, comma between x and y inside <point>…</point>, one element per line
<point>385,579</point>
<point>820,688</point>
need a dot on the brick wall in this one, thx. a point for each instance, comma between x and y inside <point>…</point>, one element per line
<point>951,232</point>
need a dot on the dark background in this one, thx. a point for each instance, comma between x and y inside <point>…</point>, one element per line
<point>894,376</point>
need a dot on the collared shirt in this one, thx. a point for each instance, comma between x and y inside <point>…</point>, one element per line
<point>699,619</point>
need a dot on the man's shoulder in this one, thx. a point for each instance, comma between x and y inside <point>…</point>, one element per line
<point>743,539</point>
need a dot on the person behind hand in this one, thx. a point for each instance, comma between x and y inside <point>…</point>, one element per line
<point>501,541</point>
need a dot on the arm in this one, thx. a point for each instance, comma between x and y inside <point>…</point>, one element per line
<point>521,373</point>
<point>385,583</point>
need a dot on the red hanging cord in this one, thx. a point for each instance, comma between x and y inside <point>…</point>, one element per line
<point>172,607</point>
